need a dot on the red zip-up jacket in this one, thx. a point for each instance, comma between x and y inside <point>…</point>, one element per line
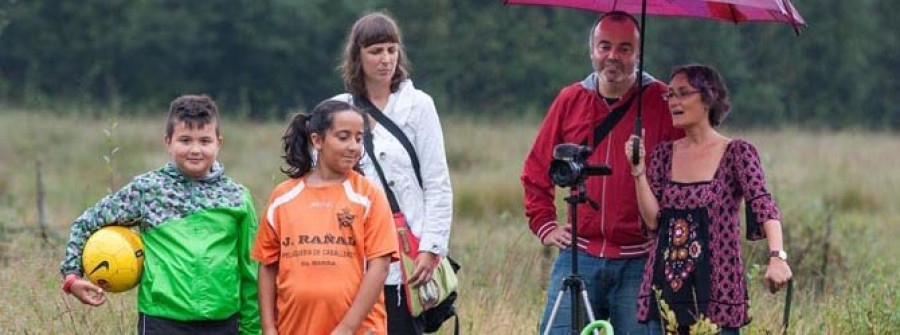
<point>614,229</point>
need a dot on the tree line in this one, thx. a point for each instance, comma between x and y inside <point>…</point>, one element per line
<point>479,57</point>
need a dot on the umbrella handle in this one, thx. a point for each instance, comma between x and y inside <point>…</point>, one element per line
<point>787,306</point>
<point>635,146</point>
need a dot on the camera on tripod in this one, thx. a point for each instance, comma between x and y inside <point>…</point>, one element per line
<point>569,167</point>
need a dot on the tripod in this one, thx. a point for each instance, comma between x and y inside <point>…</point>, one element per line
<point>573,283</point>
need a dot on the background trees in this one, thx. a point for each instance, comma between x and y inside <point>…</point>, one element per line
<point>264,57</point>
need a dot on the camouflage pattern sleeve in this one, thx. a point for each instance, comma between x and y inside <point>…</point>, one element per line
<point>122,208</point>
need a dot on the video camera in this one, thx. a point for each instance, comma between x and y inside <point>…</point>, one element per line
<point>569,167</point>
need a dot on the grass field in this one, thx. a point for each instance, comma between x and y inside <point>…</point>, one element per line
<point>847,180</point>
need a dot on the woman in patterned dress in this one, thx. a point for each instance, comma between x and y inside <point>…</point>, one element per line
<point>689,198</point>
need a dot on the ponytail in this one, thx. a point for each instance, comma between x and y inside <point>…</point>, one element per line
<point>297,147</point>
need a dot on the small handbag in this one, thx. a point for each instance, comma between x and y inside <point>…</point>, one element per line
<point>445,275</point>
<point>443,282</point>
<point>435,299</point>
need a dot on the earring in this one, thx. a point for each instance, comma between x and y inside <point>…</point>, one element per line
<point>315,159</point>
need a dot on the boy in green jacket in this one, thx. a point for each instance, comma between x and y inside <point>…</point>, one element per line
<point>197,226</point>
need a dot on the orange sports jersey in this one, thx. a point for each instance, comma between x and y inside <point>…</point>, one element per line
<point>321,238</point>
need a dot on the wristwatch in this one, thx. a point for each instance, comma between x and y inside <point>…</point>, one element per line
<point>778,253</point>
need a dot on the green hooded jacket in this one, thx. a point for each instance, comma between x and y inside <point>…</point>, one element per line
<point>197,237</point>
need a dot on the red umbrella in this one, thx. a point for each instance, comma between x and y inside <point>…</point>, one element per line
<point>724,10</point>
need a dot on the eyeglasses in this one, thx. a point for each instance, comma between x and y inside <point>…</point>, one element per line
<point>677,95</point>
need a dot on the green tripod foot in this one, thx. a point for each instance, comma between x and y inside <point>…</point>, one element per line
<point>607,327</point>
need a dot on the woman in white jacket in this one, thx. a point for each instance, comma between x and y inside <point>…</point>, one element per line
<point>375,67</point>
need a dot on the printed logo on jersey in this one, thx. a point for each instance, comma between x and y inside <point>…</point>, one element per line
<point>345,218</point>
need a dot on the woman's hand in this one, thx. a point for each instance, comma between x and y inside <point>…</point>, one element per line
<point>426,262</point>
<point>777,274</point>
<point>87,292</point>
<point>636,170</point>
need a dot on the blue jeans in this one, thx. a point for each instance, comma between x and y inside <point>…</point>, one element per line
<point>612,286</point>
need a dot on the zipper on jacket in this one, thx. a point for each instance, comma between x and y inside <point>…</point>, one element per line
<point>603,201</point>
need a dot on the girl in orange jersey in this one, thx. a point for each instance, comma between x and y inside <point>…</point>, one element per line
<point>326,237</point>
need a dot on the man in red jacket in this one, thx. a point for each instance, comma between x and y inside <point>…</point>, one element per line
<point>612,248</point>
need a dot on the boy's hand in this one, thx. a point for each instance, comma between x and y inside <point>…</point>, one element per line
<point>88,293</point>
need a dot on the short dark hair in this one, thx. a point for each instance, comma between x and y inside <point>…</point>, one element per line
<point>296,140</point>
<point>617,16</point>
<point>371,29</point>
<point>195,111</point>
<point>712,89</point>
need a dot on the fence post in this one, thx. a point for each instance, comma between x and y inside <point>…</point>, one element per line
<point>41,209</point>
<point>823,273</point>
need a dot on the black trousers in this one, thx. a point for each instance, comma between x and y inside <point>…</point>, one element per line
<point>149,325</point>
<point>400,322</point>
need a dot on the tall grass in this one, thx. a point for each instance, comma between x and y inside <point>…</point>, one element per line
<point>849,177</point>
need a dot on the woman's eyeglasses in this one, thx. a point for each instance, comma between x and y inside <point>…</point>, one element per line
<point>677,94</point>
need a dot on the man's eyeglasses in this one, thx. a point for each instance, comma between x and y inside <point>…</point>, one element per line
<point>677,95</point>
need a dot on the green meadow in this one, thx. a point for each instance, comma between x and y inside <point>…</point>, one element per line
<point>839,194</point>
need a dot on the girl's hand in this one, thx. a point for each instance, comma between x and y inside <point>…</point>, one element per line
<point>777,274</point>
<point>88,293</point>
<point>426,262</point>
<point>341,329</point>
<point>636,170</point>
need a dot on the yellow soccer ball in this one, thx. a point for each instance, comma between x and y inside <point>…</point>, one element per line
<point>113,258</point>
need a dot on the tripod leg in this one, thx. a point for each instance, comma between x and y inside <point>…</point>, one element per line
<point>576,285</point>
<point>559,298</point>
<point>587,308</point>
<point>587,305</point>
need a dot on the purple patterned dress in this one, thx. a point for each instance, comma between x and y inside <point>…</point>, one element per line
<point>696,258</point>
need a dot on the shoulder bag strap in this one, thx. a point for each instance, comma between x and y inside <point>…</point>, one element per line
<point>610,121</point>
<point>370,109</point>
<point>392,199</point>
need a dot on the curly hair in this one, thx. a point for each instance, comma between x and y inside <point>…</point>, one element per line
<point>371,29</point>
<point>712,89</point>
<point>195,111</point>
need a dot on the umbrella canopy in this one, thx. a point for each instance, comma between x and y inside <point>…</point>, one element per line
<point>723,10</point>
